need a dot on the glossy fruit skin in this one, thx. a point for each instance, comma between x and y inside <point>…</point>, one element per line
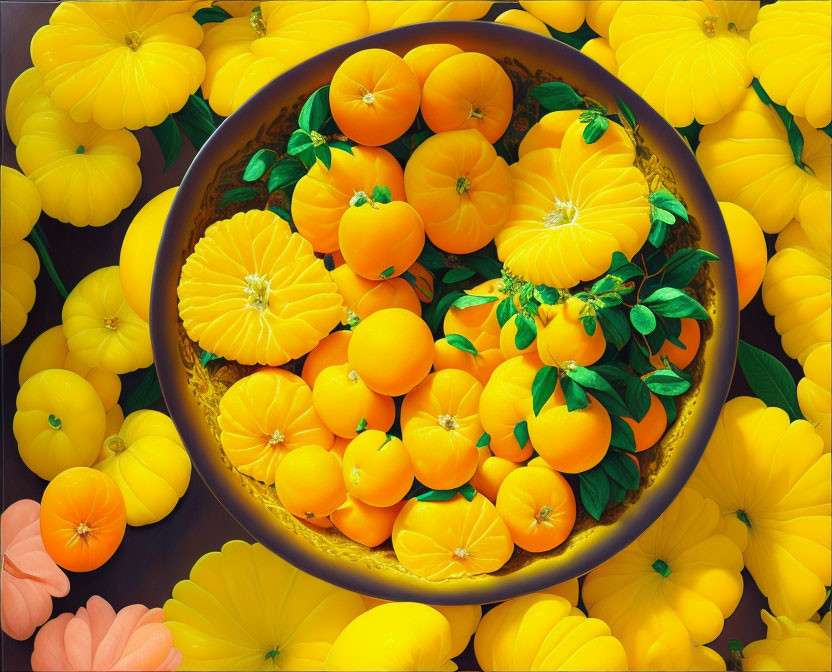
<point>308,482</point>
<point>650,429</point>
<point>259,599</point>
<point>389,364</point>
<point>150,465</point>
<point>322,196</point>
<point>438,540</point>
<point>138,251</point>
<point>600,51</point>
<point>377,237</point>
<point>490,474</point>
<point>508,342</point>
<point>480,366</point>
<point>545,632</point>
<point>461,189</point>
<point>331,351</point>
<point>789,645</point>
<point>377,469</point>
<point>813,392</point>
<point>561,336</point>
<point>374,97</point>
<point>76,429</point>
<point>469,90</point>
<point>538,506</point>
<point>20,206</point>
<point>20,266</point>
<point>478,323</point>
<point>690,336</point>
<point>363,297</point>
<point>386,14</point>
<point>342,398</point>
<point>101,328</point>
<point>751,256</point>
<point>421,279</point>
<point>366,524</point>
<point>565,16</point>
<point>424,58</point>
<point>26,97</point>
<point>82,518</point>
<point>548,132</point>
<point>520,19</point>
<point>263,417</point>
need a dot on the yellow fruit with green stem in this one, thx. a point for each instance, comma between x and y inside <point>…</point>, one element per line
<point>20,206</point>
<point>19,266</point>
<point>813,392</point>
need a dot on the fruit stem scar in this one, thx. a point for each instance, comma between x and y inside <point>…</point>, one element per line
<point>257,291</point>
<point>111,323</point>
<point>460,554</point>
<point>54,422</point>
<point>80,150</point>
<point>743,516</point>
<point>709,25</point>
<point>115,443</point>
<point>317,139</point>
<point>83,530</point>
<point>256,22</point>
<point>133,40</point>
<point>476,113</point>
<point>353,376</point>
<point>543,515</point>
<point>447,421</point>
<point>272,654</point>
<point>368,97</point>
<point>563,213</point>
<point>662,568</point>
<point>463,184</point>
<point>276,437</point>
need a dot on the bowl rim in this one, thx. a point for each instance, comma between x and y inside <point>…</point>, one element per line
<point>654,499</point>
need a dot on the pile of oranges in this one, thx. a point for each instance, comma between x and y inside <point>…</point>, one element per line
<point>391,429</point>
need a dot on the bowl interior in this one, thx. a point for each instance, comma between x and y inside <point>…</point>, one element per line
<point>193,390</point>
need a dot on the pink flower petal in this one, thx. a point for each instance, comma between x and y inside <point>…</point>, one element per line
<point>49,653</point>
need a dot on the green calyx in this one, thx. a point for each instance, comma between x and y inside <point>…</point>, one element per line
<point>662,568</point>
<point>743,516</point>
<point>272,654</point>
<point>80,150</point>
<point>463,184</point>
<point>54,422</point>
<point>317,139</point>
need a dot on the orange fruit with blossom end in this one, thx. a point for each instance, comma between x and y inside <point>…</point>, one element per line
<point>377,468</point>
<point>508,340</point>
<point>561,336</point>
<point>690,336</point>
<point>571,441</point>
<point>308,482</point>
<point>322,196</point>
<point>469,90</point>
<point>478,323</point>
<point>490,475</point>
<point>481,365</point>
<point>421,279</point>
<point>82,518</point>
<point>381,240</point>
<point>392,351</point>
<point>374,97</point>
<point>331,351</point>
<point>538,506</point>
<point>441,427</point>
<point>440,540</point>
<point>424,58</point>
<point>342,400</point>
<point>366,524</point>
<point>363,297</point>
<point>749,244</point>
<point>651,427</point>
<point>461,189</point>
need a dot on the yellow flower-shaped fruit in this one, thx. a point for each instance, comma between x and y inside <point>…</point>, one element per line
<point>20,206</point>
<point>671,587</point>
<point>542,631</point>
<point>747,160</point>
<point>101,328</point>
<point>19,266</point>
<point>244,54</point>
<point>387,14</point>
<point>120,64</point>
<point>244,608</point>
<point>85,175</point>
<point>59,422</point>
<point>394,636</point>
<point>254,291</point>
<point>813,392</point>
<point>796,285</point>
<point>771,481</point>
<point>789,646</point>
<point>138,251</point>
<point>687,59</point>
<point>573,207</point>
<point>26,97</point>
<point>791,55</point>
<point>149,464</point>
<point>50,351</point>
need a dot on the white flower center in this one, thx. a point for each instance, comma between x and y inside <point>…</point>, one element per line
<point>564,213</point>
<point>257,291</point>
<point>447,421</point>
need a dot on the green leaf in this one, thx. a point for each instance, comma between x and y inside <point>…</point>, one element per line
<point>605,284</point>
<point>623,268</point>
<point>258,164</point>
<point>467,491</point>
<point>283,214</point>
<point>554,96</point>
<point>614,325</point>
<point>792,130</point>
<point>595,128</point>
<point>626,113</point>
<point>461,343</point>
<point>543,387</point>
<point>211,14</point>
<point>658,232</point>
<point>343,145</point>
<point>574,394</point>
<point>387,272</point>
<point>457,275</point>
<point>642,318</point>
<point>521,433</point>
<point>621,469</point>
<point>691,134</point>
<point>601,389</point>
<point>39,242</point>
<point>546,295</point>
<point>666,382</point>
<point>435,316</point>
<point>589,323</point>
<point>381,194</point>
<point>285,174</point>
<point>622,435</point>
<point>683,265</point>
<point>237,195</point>
<point>769,379</point>
<point>145,394</point>
<point>170,140</point>
<point>470,300</point>
<point>631,388</point>
<point>315,110</point>
<point>595,491</point>
<point>669,408</point>
<point>505,309</point>
<point>526,331</point>
<point>206,357</point>
<point>299,142</point>
<point>638,359</point>
<point>484,440</point>
<point>488,267</point>
<point>196,120</point>
<point>324,155</point>
<point>431,258</point>
<point>362,425</point>
<point>665,201</point>
<point>437,495</point>
<point>672,302</point>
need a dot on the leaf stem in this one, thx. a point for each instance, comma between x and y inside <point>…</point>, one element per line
<point>42,247</point>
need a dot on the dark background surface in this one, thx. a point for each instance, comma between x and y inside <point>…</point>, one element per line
<point>152,559</point>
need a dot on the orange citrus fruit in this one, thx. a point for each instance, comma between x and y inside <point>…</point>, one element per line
<point>339,447</point>
<point>469,90</point>
<point>461,188</point>
<point>478,323</point>
<point>342,400</point>
<point>750,253</point>
<point>366,524</point>
<point>481,365</point>
<point>330,351</point>
<point>363,297</point>
<point>650,428</point>
<point>374,97</point>
<point>538,506</point>
<point>424,58</point>
<point>392,351</point>
<point>690,336</point>
<point>377,468</point>
<point>561,336</point>
<point>490,474</point>
<point>308,482</point>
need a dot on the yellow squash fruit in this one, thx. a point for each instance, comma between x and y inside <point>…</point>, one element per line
<point>101,328</point>
<point>149,464</point>
<point>573,207</point>
<point>789,646</point>
<point>120,64</point>
<point>791,55</point>
<point>748,245</point>
<point>687,59</point>
<point>394,636</point>
<point>50,351</point>
<point>568,590</point>
<point>244,608</point>
<point>255,292</point>
<point>747,160</point>
<point>599,15</point>
<point>520,19</point>
<point>797,279</point>
<point>59,422</point>
<point>20,203</point>
<point>19,266</point>
<point>566,16</point>
<point>813,392</point>
<point>672,587</point>
<point>26,97</point>
<point>85,175</point>
<point>545,632</point>
<point>681,656</point>
<point>387,14</point>
<point>549,132</point>
<point>600,51</point>
<point>771,481</point>
<point>138,251</point>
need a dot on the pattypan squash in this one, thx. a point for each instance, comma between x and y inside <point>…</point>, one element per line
<point>19,266</point>
<point>19,206</point>
<point>789,646</point>
<point>814,392</point>
<point>26,97</point>
<point>387,14</point>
